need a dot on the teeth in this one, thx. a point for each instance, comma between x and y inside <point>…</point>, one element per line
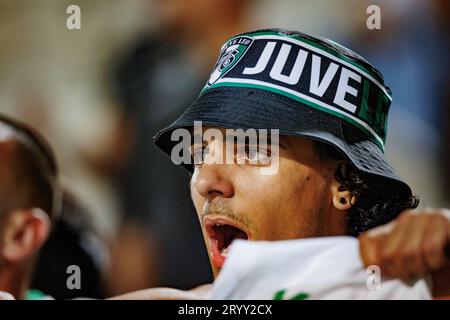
<point>218,225</point>
<point>224,252</point>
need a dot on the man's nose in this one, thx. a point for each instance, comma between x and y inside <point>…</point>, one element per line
<point>213,177</point>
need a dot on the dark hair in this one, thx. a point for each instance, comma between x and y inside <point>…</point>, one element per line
<point>32,176</point>
<point>377,200</point>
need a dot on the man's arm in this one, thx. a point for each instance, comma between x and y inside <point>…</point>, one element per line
<point>199,293</point>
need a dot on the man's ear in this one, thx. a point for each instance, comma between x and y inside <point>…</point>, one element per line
<point>26,231</point>
<point>342,199</point>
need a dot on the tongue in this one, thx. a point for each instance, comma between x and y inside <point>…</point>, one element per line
<point>217,259</point>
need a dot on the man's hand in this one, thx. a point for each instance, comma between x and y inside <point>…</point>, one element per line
<point>413,245</point>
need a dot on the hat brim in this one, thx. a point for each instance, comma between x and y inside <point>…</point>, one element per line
<point>246,108</point>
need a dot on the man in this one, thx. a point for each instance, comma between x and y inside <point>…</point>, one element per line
<point>30,201</point>
<point>330,176</point>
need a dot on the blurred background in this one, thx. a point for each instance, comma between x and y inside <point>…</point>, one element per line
<point>100,93</point>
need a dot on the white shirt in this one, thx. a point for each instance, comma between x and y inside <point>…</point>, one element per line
<point>316,268</point>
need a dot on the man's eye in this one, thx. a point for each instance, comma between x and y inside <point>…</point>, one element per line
<point>256,155</point>
<point>198,153</point>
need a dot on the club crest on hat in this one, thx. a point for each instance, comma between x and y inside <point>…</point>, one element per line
<point>230,54</point>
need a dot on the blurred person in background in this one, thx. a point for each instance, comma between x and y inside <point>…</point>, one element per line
<point>156,80</point>
<point>50,78</point>
<point>29,205</point>
<point>71,243</point>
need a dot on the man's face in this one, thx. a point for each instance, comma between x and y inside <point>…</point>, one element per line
<point>235,201</point>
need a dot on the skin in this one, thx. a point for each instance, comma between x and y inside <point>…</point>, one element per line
<point>22,235</point>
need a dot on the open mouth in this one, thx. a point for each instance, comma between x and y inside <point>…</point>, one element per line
<point>222,233</point>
